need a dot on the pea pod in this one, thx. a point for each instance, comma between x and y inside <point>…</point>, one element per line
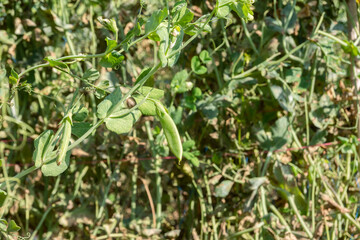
<point>171,132</point>
<point>64,140</point>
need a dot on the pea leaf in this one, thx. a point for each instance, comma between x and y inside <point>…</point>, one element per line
<point>154,21</point>
<point>100,90</point>
<point>80,128</point>
<point>108,102</point>
<point>4,85</point>
<point>205,57</point>
<point>113,58</point>
<point>197,67</point>
<point>14,77</point>
<point>109,24</point>
<point>80,113</point>
<point>223,189</point>
<point>243,10</point>
<point>174,46</point>
<point>122,124</point>
<point>164,43</point>
<point>91,74</point>
<point>3,225</point>
<point>13,227</point>
<point>180,14</point>
<point>3,196</point>
<point>193,28</point>
<point>223,8</point>
<point>144,72</point>
<point>178,83</point>
<point>55,63</point>
<point>51,168</point>
<point>148,107</point>
<point>192,158</point>
<point>154,93</point>
<point>41,144</point>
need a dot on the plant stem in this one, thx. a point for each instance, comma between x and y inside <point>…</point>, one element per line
<point>298,215</point>
<point>33,235</point>
<point>157,167</point>
<point>238,234</point>
<point>134,190</point>
<point>208,192</point>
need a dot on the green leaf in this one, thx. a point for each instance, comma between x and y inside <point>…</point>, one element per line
<point>154,21</point>
<point>124,123</point>
<point>13,227</point>
<point>41,144</point>
<point>79,129</point>
<point>171,132</point>
<point>109,24</point>
<point>3,225</point>
<point>3,196</point>
<point>197,67</point>
<point>323,112</point>
<point>148,107</point>
<point>110,44</point>
<point>144,72</point>
<point>243,10</point>
<point>188,145</point>
<point>14,77</point>
<point>164,43</point>
<point>174,46</point>
<point>51,169</point>
<point>287,181</point>
<point>100,90</point>
<point>178,83</point>
<point>180,14</point>
<point>154,93</point>
<point>193,28</point>
<point>91,74</point>
<point>284,97</point>
<point>4,85</point>
<point>279,135</point>
<point>55,63</point>
<point>205,57</point>
<point>113,58</point>
<point>223,189</point>
<point>351,48</point>
<point>293,75</point>
<point>192,158</point>
<point>223,8</point>
<point>111,100</point>
<point>80,113</point>
<point>135,31</point>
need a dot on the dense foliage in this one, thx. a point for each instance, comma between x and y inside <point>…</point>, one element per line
<point>179,119</point>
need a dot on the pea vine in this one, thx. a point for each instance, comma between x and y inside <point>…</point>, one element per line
<point>120,110</point>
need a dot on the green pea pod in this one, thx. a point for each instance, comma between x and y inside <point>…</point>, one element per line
<point>171,132</point>
<point>64,140</point>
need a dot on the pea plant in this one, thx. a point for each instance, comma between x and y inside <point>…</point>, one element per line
<point>171,30</point>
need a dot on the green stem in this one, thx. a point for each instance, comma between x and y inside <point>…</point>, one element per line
<point>157,165</point>
<point>208,192</point>
<point>298,215</point>
<point>134,190</point>
<point>247,34</point>
<point>344,44</point>
<point>40,223</point>
<point>238,234</point>
<point>193,37</point>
